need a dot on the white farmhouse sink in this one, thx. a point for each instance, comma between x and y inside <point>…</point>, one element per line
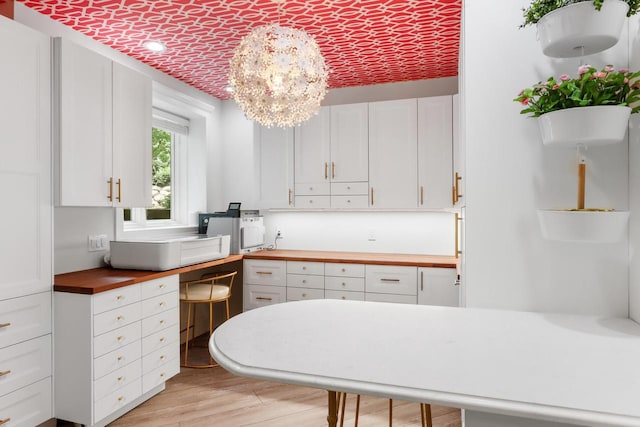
<point>160,255</point>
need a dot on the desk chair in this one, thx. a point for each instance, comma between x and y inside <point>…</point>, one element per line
<point>425,411</point>
<point>210,289</point>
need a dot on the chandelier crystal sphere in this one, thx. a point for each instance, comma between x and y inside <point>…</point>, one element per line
<point>278,76</point>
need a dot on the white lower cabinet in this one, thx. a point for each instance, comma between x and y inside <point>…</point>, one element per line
<point>438,286</point>
<point>303,280</point>
<point>27,406</point>
<point>115,349</point>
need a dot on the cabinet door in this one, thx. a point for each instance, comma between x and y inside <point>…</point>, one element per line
<point>82,117</point>
<point>312,149</point>
<point>435,152</point>
<point>438,286</point>
<point>393,167</point>
<point>25,106</point>
<point>349,143</point>
<point>131,138</point>
<point>274,148</point>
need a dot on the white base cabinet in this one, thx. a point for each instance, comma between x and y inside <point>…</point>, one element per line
<point>115,349</point>
<point>269,282</point>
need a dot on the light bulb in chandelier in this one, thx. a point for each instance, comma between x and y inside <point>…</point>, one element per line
<point>278,76</point>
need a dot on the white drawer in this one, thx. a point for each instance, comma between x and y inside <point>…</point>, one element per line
<point>116,359</point>
<point>157,358</point>
<point>117,380</point>
<point>399,299</point>
<point>160,321</point>
<point>118,338</point>
<point>160,286</point>
<point>117,318</point>
<point>160,374</point>
<point>320,188</point>
<point>385,279</point>
<point>115,298</point>
<point>349,188</point>
<point>344,270</point>
<point>298,294</point>
<point>25,363</point>
<point>24,318</point>
<point>313,202</point>
<point>344,295</point>
<point>305,281</point>
<point>257,295</point>
<point>28,406</point>
<point>265,272</point>
<point>157,305</point>
<point>344,283</point>
<point>304,267</point>
<point>345,202</point>
<point>160,339</point>
<point>117,400</point>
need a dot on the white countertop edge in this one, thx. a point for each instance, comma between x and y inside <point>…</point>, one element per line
<point>498,406</point>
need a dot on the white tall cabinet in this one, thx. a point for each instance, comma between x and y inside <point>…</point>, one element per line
<point>274,156</point>
<point>102,130</point>
<point>393,139</point>
<point>25,227</point>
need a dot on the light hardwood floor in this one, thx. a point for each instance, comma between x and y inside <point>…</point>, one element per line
<point>214,397</point>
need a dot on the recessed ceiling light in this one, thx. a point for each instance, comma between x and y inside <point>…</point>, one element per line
<point>155,46</point>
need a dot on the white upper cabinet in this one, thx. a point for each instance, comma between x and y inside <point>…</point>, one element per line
<point>102,130</point>
<point>435,152</point>
<point>131,138</point>
<point>393,166</point>
<point>349,143</point>
<point>25,164</point>
<point>312,155</point>
<point>458,154</point>
<point>274,149</point>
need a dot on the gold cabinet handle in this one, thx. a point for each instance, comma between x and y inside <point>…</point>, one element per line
<point>389,280</point>
<point>290,197</point>
<point>4,421</point>
<point>333,170</point>
<point>162,374</point>
<point>161,285</point>
<point>421,195</point>
<point>162,357</point>
<point>120,378</point>
<point>161,303</point>
<point>110,182</point>
<point>264,299</point>
<point>456,188</point>
<point>422,281</point>
<point>162,321</point>
<point>326,165</point>
<point>120,358</point>
<point>4,325</point>
<point>456,236</point>
<point>120,297</point>
<point>4,373</point>
<point>120,318</point>
<point>120,398</point>
<point>371,196</point>
<point>264,272</point>
<point>304,295</point>
<point>119,338</point>
<point>119,184</point>
<point>162,339</point>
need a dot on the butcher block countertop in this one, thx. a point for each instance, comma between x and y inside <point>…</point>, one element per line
<point>357,258</point>
<point>103,279</point>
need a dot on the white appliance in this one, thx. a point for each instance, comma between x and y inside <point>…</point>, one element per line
<point>160,255</point>
<point>246,231</point>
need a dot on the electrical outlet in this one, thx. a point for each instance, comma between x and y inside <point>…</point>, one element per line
<point>98,242</point>
<point>279,234</point>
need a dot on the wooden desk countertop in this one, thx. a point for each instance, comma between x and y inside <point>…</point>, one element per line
<point>103,279</point>
<point>357,258</point>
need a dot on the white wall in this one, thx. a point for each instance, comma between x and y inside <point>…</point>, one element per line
<point>509,174</point>
<point>634,181</point>
<point>430,233</point>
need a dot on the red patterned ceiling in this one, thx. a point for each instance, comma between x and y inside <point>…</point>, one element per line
<point>363,41</point>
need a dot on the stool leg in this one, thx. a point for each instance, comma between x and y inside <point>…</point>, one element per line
<point>427,415</point>
<point>355,424</point>
<point>210,328</point>
<point>186,343</point>
<point>344,404</point>
<point>227,304</point>
<point>390,412</point>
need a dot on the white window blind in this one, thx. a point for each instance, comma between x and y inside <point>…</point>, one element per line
<point>169,121</point>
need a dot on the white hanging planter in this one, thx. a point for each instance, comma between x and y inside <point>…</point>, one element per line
<point>587,225</point>
<point>597,125</point>
<point>579,29</point>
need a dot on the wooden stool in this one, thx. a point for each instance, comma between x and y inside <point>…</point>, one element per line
<point>207,290</point>
<point>425,411</point>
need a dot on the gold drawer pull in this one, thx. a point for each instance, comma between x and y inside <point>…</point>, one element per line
<point>344,270</point>
<point>120,338</point>
<point>264,299</point>
<point>120,317</point>
<point>389,280</point>
<point>304,295</point>
<point>120,297</point>
<point>161,374</point>
<point>4,325</point>
<point>161,285</point>
<point>162,322</point>
<point>120,358</point>
<point>162,357</point>
<point>344,284</point>
<point>3,373</point>
<point>162,339</point>
<point>6,420</point>
<point>120,398</point>
<point>161,303</point>
<point>344,297</point>
<point>264,272</point>
<point>120,378</point>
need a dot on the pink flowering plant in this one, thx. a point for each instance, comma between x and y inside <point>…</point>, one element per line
<point>591,87</point>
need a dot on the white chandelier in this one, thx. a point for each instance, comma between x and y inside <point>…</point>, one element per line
<point>278,76</point>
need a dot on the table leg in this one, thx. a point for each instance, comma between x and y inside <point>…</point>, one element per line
<point>332,417</point>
